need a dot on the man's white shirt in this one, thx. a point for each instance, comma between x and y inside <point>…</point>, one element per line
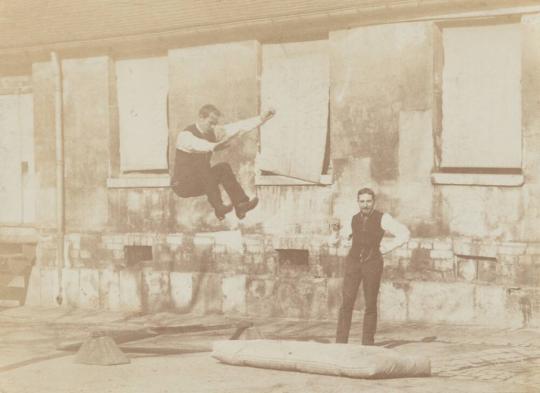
<point>399,232</point>
<point>190,143</point>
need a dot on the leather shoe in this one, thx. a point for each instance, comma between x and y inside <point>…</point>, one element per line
<point>243,207</point>
<point>222,210</point>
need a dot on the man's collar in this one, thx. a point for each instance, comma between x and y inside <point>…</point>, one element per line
<point>367,215</point>
<point>199,128</point>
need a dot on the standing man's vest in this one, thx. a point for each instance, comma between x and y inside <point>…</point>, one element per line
<point>367,236</point>
<point>186,165</point>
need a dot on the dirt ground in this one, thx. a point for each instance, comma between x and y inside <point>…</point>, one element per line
<point>464,358</point>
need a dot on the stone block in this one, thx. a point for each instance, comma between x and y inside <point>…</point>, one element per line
<point>89,288</point>
<point>181,290</point>
<point>203,241</point>
<point>426,244</point>
<point>507,270</point>
<point>162,253</point>
<point>442,245</point>
<point>293,298</point>
<point>533,249</point>
<point>334,291</point>
<point>510,248</point>
<point>259,296</point>
<point>462,246</point>
<point>115,246</point>
<point>207,293</point>
<point>130,290</point>
<point>412,244</point>
<point>444,265</point>
<point>33,292</point>
<point>234,294</point>
<point>74,253</point>
<point>46,256</point>
<point>109,289</point>
<point>441,254</point>
<point>467,269</point>
<point>71,287</point>
<point>318,309</point>
<point>48,287</point>
<point>485,250</point>
<point>392,302</point>
<point>490,305</point>
<point>487,270</point>
<point>420,259</point>
<point>176,239</point>
<point>402,252</point>
<point>254,245</point>
<point>527,271</point>
<point>441,302</point>
<point>155,290</point>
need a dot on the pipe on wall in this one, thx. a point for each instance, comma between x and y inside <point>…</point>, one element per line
<point>59,139</point>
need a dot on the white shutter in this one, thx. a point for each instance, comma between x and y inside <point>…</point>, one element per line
<point>142,104</point>
<point>295,81</point>
<point>482,96</point>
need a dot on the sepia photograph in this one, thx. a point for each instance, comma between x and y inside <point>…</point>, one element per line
<point>278,196</point>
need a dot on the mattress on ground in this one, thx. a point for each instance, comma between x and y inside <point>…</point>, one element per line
<point>355,361</point>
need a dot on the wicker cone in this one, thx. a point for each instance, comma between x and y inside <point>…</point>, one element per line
<point>251,333</point>
<point>100,349</point>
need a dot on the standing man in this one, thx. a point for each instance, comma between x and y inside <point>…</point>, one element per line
<point>365,263</point>
<point>194,175</point>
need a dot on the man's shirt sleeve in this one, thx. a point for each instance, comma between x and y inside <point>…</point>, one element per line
<point>395,228</point>
<point>239,127</point>
<point>189,143</point>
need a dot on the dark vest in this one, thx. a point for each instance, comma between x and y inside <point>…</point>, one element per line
<point>367,235</point>
<point>186,165</point>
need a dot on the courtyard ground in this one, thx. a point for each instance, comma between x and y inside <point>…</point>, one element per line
<point>464,358</point>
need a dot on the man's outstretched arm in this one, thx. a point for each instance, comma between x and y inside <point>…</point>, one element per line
<point>230,131</point>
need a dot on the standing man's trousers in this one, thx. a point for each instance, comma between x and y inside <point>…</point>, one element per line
<point>356,271</point>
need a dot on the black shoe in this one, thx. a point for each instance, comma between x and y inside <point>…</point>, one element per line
<point>243,207</point>
<point>222,211</point>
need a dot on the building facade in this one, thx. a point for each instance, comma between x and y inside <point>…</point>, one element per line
<point>435,105</point>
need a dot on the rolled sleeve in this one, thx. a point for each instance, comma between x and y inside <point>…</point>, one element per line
<point>189,143</point>
<point>399,232</point>
<point>229,130</point>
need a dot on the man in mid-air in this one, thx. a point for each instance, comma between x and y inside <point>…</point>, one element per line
<point>193,173</point>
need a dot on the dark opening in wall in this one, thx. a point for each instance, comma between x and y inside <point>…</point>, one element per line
<point>477,268</point>
<point>293,257</point>
<point>137,254</point>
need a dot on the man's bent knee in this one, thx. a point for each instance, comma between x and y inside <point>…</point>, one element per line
<point>223,167</point>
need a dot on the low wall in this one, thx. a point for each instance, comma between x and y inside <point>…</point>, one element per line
<point>435,280</point>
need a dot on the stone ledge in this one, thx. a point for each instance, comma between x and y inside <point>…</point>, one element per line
<point>155,181</point>
<point>18,234</point>
<point>478,179</point>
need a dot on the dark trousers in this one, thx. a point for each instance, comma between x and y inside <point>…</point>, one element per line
<point>370,273</point>
<point>206,181</point>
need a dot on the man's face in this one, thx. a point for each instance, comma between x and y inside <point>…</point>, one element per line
<point>365,203</point>
<point>207,124</point>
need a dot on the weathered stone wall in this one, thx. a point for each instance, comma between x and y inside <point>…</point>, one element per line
<point>86,144</point>
<point>474,256</point>
<point>225,272</point>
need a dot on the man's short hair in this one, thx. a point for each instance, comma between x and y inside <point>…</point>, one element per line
<point>365,190</point>
<point>205,111</point>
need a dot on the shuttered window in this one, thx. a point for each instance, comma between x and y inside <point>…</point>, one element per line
<point>481,97</point>
<point>295,81</point>
<point>142,86</point>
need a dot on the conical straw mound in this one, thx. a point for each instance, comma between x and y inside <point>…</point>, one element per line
<point>100,349</point>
